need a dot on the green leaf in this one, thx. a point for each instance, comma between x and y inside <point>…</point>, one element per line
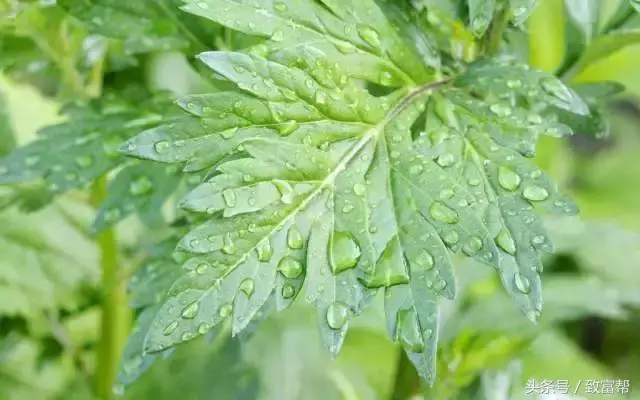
<point>480,15</point>
<point>521,10</point>
<point>319,189</point>
<point>635,4</point>
<point>72,154</point>
<point>152,26</point>
<point>581,26</point>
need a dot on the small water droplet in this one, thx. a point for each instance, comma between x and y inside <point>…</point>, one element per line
<point>446,194</point>
<point>226,310</point>
<point>473,181</point>
<point>278,35</point>
<point>521,282</point>
<point>508,178</point>
<point>228,246</point>
<point>321,97</point>
<point>426,260</point>
<point>169,329</point>
<point>84,161</point>
<point>450,238</point>
<point>535,193</point>
<point>229,198</point>
<point>337,315</point>
<point>359,189</point>
<point>504,240</point>
<point>416,169</point>
<point>285,190</point>
<point>440,212</point>
<point>287,128</point>
<point>290,267</point>
<point>538,240</point>
<point>191,310</point>
<point>446,160</point>
<point>282,7</point>
<point>201,268</point>
<point>294,238</point>
<point>204,328</point>
<point>369,35</point>
<point>514,83</point>
<point>288,291</point>
<point>247,286</point>
<point>347,208</point>
<point>472,246</point>
<point>345,252</point>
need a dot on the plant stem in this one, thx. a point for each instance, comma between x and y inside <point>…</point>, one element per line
<point>407,381</point>
<point>116,316</point>
<point>493,38</point>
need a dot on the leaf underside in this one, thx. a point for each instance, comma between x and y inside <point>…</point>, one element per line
<point>321,190</point>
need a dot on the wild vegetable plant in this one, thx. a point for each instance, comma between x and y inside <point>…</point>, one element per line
<point>332,150</point>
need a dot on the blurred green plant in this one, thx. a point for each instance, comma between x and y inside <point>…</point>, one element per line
<point>331,150</point>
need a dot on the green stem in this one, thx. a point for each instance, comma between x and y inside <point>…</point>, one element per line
<point>116,316</point>
<point>407,381</point>
<point>493,38</point>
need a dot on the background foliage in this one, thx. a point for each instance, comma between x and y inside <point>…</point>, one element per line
<point>81,220</point>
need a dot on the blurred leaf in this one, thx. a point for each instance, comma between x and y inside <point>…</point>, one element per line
<point>580,28</point>
<point>7,139</point>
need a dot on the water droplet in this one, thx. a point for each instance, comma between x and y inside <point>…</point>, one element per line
<point>345,252</point>
<point>472,246</point>
<point>426,260</point>
<point>140,186</point>
<point>347,208</point>
<point>504,240</point>
<point>474,181</point>
<point>538,240</point>
<point>229,133</point>
<point>132,364</point>
<point>286,128</point>
<point>440,285</point>
<point>321,97</point>
<point>294,238</point>
<point>450,238</point>
<point>290,267</point>
<point>187,336</point>
<point>288,291</point>
<point>501,110</point>
<point>359,189</point>
<point>228,246</point>
<point>514,83</point>
<point>345,47</point>
<point>170,328</point>
<point>446,194</point>
<point>386,78</point>
<point>226,310</point>
<point>521,282</point>
<point>533,316</point>
<point>201,268</point>
<point>535,193</point>
<point>285,189</point>
<point>369,35</point>
<point>84,161</point>
<point>162,146</point>
<point>203,5</point>
<point>416,169</point>
<point>278,35</point>
<point>247,286</point>
<point>446,160</point>
<point>337,315</point>
<point>442,213</point>
<point>229,198</point>
<point>508,178</point>
<point>191,310</point>
<point>280,7</point>
<point>204,328</point>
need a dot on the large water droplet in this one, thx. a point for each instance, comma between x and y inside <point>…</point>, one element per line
<point>229,198</point>
<point>535,193</point>
<point>443,213</point>
<point>337,315</point>
<point>472,246</point>
<point>426,260</point>
<point>345,47</point>
<point>169,329</point>
<point>247,286</point>
<point>504,240</point>
<point>162,146</point>
<point>142,185</point>
<point>508,178</point>
<point>521,282</point>
<point>294,238</point>
<point>290,267</point>
<point>369,35</point>
<point>191,310</point>
<point>359,189</point>
<point>264,250</point>
<point>345,252</point>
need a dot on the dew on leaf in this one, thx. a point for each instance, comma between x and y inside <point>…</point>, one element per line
<point>416,169</point>
<point>203,328</point>
<point>290,267</point>
<point>278,35</point>
<point>247,286</point>
<point>288,291</point>
<point>190,311</point>
<point>264,250</point>
<point>508,178</point>
<point>501,110</point>
<point>473,245</point>
<point>201,268</point>
<point>359,189</point>
<point>294,238</point>
<point>337,315</point>
<point>535,193</point>
<point>285,190</point>
<point>84,161</point>
<point>451,238</point>
<point>446,160</point>
<point>228,246</point>
<point>169,329</point>
<point>282,7</point>
<point>521,282</point>
<point>538,240</point>
<point>426,260</point>
<point>440,285</point>
<point>226,310</point>
<point>440,212</point>
<point>345,252</point>
<point>369,35</point>
<point>504,240</point>
<point>229,198</point>
<point>287,128</point>
<point>162,146</point>
<point>347,208</point>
